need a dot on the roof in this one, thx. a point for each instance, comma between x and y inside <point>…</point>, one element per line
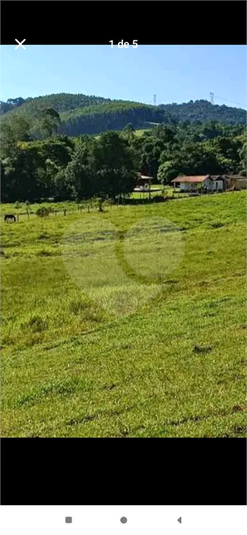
<point>147,190</point>
<point>191,179</point>
<point>197,179</point>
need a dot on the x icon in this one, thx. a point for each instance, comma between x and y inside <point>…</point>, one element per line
<point>20,44</point>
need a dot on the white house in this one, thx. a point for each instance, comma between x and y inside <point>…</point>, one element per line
<point>201,183</point>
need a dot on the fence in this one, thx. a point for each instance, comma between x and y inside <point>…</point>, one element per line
<point>94,206</point>
<point>27,215</point>
<point>20,216</point>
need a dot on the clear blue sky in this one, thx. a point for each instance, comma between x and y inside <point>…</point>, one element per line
<point>173,73</point>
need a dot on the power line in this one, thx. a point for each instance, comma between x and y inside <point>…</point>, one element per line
<point>220,98</point>
<point>238,104</point>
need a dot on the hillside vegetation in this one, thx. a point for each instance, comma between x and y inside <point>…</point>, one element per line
<point>107,165</point>
<point>82,114</point>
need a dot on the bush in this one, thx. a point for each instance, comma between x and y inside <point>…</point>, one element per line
<point>35,324</point>
<point>158,198</point>
<point>43,212</point>
<point>79,306</point>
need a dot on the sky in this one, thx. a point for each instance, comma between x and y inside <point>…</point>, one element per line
<point>174,73</point>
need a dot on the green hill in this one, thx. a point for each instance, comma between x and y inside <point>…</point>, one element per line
<point>82,114</point>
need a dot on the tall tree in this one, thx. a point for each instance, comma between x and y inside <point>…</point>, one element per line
<point>49,121</point>
<point>16,129</point>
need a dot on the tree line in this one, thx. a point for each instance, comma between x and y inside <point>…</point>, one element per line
<point>107,166</point>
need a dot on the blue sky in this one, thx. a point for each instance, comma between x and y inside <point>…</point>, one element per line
<point>174,73</point>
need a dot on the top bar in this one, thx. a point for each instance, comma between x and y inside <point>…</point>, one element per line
<point>98,22</point>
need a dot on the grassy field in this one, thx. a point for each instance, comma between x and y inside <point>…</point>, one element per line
<point>139,131</point>
<point>116,325</point>
<point>168,191</point>
<point>20,209</point>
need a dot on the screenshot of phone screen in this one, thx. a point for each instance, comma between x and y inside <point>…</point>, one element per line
<point>123,267</point>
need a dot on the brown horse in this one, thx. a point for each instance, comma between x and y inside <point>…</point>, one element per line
<point>9,217</point>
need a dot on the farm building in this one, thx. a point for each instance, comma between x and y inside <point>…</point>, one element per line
<point>201,183</point>
<point>236,181</point>
<point>144,185</point>
<point>144,182</point>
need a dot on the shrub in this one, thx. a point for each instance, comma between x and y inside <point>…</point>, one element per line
<point>158,198</point>
<point>35,324</point>
<point>43,212</point>
<point>78,306</point>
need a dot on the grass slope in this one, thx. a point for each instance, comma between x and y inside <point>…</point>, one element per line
<point>175,367</point>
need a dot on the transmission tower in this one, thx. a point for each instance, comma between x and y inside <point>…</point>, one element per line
<point>154,100</point>
<point>212,98</point>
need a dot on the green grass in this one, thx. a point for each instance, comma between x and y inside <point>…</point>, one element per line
<point>168,191</point>
<point>170,366</point>
<point>138,132</point>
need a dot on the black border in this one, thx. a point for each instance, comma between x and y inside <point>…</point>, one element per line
<point>130,472</point>
<point>97,22</point>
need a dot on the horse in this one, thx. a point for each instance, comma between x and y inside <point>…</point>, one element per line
<point>10,217</point>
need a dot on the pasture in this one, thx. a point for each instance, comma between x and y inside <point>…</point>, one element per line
<point>171,365</point>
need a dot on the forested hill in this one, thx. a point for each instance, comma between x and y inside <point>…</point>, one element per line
<point>82,114</point>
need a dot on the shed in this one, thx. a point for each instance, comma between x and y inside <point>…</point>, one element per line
<point>236,181</point>
<point>144,184</point>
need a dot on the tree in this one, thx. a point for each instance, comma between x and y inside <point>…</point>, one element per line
<point>211,130</point>
<point>79,179</point>
<point>129,132</point>
<point>167,171</point>
<point>58,150</point>
<point>103,167</point>
<point>164,132</point>
<point>22,176</point>
<point>114,163</point>
<point>151,152</point>
<point>49,121</point>
<point>14,130</point>
<point>8,141</point>
<point>11,104</point>
<point>128,128</point>
<point>242,152</point>
<point>62,190</point>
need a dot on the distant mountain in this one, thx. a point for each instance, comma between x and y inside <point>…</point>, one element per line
<point>204,111</point>
<point>82,114</point>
